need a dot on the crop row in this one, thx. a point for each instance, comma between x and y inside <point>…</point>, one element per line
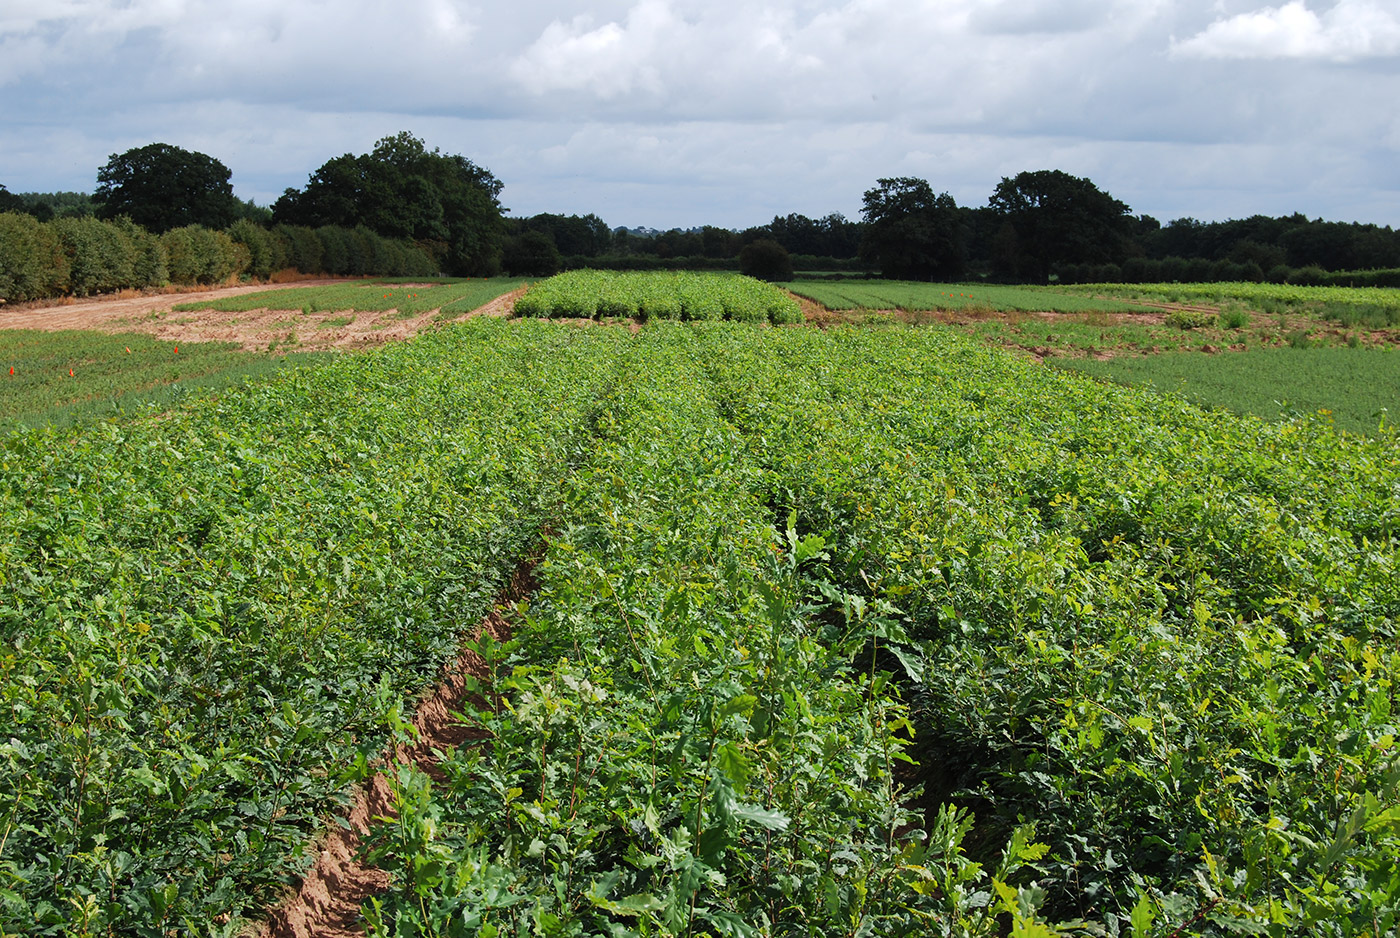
<point>1146,656</point>
<point>699,738</point>
<point>885,294</point>
<point>589,294</point>
<point>1143,656</point>
<point>1255,293</point>
<point>207,616</point>
<point>1166,636</point>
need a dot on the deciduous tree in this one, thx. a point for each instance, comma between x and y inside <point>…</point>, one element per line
<point>403,190</point>
<point>1057,218</point>
<point>912,233</point>
<point>161,187</point>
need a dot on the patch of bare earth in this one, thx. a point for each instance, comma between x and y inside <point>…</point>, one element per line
<point>327,903</point>
<point>256,330</point>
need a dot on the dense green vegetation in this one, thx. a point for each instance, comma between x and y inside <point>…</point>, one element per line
<point>210,617</point>
<point>1374,307</point>
<point>58,377</point>
<point>1166,637</point>
<point>160,187</point>
<point>82,256</point>
<point>880,294</point>
<point>402,190</point>
<point>589,294</point>
<point>1142,654</point>
<point>1358,389</point>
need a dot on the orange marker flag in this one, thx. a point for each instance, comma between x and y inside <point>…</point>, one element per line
<point>12,371</point>
<point>70,373</point>
<point>128,350</point>
<point>177,350</point>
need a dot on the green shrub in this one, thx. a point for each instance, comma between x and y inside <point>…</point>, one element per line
<point>1233,318</point>
<point>1189,319</point>
<point>200,256</point>
<point>1310,276</point>
<point>766,260</point>
<point>149,267</point>
<point>101,257</point>
<point>304,249</point>
<point>32,262</point>
<point>258,243</point>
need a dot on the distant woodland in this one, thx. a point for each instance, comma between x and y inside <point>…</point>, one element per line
<point>160,214</point>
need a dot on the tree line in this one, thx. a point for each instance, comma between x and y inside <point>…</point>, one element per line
<point>160,213</point>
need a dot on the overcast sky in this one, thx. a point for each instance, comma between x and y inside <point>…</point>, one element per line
<point>673,113</point>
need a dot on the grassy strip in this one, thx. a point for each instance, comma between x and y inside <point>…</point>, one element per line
<point>60,377</point>
<point>210,618</point>
<point>1348,307</point>
<point>1259,294</point>
<point>1357,389</point>
<point>886,294</point>
<point>413,297</point>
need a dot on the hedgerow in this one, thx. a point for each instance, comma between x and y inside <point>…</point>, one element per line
<point>82,256</point>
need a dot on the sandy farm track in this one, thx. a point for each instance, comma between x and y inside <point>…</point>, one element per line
<point>257,330</point>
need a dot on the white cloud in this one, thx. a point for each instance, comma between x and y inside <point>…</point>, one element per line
<point>668,112</point>
<point>1353,29</point>
<point>606,61</point>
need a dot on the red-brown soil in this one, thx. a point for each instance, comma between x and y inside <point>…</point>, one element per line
<point>327,904</point>
<point>257,330</point>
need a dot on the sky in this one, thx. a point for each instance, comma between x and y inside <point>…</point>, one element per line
<point>679,113</point>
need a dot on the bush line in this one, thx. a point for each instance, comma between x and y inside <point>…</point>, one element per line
<point>88,256</point>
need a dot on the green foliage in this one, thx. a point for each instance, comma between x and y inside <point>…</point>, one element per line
<point>304,250</point>
<point>265,253</point>
<point>1234,318</point>
<point>1054,218</point>
<point>161,187</point>
<point>1148,626</point>
<point>199,255</point>
<point>873,294</point>
<point>209,616</point>
<point>683,295</point>
<point>911,233</point>
<point>765,259</point>
<point>530,254</point>
<point>401,190</point>
<point>1186,319</point>
<point>1258,295</point>
<point>1142,655</point>
<point>101,257</point>
<point>696,738</point>
<point>32,260</point>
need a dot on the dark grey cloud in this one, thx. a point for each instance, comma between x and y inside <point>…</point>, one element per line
<point>684,112</point>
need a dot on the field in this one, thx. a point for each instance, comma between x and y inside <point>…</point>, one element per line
<point>590,294</point>
<point>450,298</point>
<point>58,377</point>
<point>856,631</point>
<point>63,363</point>
<point>1225,345</point>
<point>1358,389</point>
<point>1370,306</point>
<point>914,297</point>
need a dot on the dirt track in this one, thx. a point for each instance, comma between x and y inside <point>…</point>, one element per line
<point>257,330</point>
